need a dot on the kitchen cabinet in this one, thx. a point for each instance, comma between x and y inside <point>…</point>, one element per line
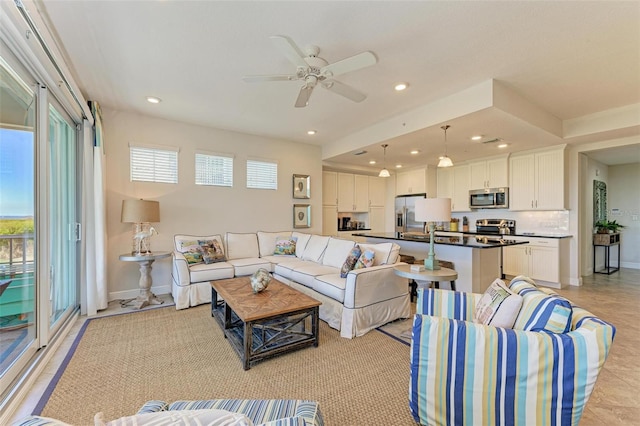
<point>376,219</point>
<point>330,220</point>
<point>489,173</point>
<point>537,180</point>
<point>353,192</point>
<point>329,188</point>
<point>539,259</point>
<point>416,181</point>
<point>377,191</point>
<point>453,182</point>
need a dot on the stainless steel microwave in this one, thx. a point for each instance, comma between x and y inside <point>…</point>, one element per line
<point>489,198</point>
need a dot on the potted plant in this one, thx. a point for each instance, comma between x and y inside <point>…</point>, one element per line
<point>607,227</point>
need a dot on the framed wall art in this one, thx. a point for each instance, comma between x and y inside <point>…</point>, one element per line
<point>301,186</point>
<point>301,216</point>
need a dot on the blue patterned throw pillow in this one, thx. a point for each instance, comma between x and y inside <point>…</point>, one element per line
<point>540,311</point>
<point>365,260</point>
<point>350,261</point>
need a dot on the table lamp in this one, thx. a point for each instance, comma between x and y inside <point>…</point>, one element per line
<point>141,213</point>
<point>432,210</point>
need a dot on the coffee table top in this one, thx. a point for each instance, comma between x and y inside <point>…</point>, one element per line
<point>276,299</point>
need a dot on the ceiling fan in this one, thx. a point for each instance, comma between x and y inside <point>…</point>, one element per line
<point>312,69</point>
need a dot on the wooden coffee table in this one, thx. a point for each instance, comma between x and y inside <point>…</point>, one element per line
<point>277,320</point>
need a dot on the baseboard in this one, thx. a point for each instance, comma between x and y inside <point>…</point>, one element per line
<point>131,294</point>
<point>630,265</point>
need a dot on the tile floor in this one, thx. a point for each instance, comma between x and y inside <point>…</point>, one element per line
<point>614,298</point>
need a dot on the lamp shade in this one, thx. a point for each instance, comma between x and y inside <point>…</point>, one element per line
<point>433,210</point>
<point>136,211</point>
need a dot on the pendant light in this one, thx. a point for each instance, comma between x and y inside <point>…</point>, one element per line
<point>384,172</point>
<point>445,161</point>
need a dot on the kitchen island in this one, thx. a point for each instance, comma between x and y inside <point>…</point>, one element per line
<point>477,260</point>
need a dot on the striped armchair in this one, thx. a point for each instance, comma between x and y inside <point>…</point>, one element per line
<point>465,373</point>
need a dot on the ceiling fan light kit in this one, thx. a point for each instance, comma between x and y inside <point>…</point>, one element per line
<point>445,161</point>
<point>313,69</point>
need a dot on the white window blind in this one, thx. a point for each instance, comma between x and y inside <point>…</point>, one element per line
<point>153,164</point>
<point>262,174</point>
<point>214,170</point>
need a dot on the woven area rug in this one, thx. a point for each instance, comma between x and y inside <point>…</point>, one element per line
<point>120,362</point>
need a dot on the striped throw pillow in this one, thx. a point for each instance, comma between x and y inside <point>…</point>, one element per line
<point>540,311</point>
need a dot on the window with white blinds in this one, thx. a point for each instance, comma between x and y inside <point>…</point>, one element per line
<point>214,169</point>
<point>262,174</point>
<point>153,164</point>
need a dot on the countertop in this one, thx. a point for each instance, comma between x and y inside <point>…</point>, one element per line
<point>517,234</point>
<point>465,241</point>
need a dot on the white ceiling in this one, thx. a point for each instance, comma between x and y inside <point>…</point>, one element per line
<point>559,63</point>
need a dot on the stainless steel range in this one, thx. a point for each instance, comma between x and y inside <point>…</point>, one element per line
<point>496,226</point>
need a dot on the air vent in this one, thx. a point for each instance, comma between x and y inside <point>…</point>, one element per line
<point>492,140</point>
<point>360,152</point>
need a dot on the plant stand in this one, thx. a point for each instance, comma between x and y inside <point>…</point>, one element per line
<point>606,241</point>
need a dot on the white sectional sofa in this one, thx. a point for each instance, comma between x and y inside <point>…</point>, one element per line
<point>367,298</point>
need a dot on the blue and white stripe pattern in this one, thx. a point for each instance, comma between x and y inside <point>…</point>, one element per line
<point>464,373</point>
<point>541,311</point>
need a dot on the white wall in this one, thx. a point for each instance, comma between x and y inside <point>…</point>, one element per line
<point>623,205</point>
<point>198,210</point>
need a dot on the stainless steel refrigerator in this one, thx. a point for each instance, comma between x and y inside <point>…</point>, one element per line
<point>406,214</point>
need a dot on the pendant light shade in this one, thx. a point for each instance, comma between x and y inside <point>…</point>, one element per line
<point>445,161</point>
<point>384,172</point>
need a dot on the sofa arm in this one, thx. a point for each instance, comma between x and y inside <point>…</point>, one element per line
<point>467,373</point>
<point>447,304</point>
<point>372,285</point>
<point>180,270</point>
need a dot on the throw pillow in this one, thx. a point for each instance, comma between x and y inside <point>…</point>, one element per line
<point>191,251</point>
<point>212,416</point>
<point>541,311</point>
<point>350,261</point>
<point>212,251</point>
<point>365,260</point>
<point>285,246</point>
<point>498,306</point>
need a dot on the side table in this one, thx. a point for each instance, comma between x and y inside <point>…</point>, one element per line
<point>145,297</point>
<point>606,241</point>
<point>426,276</point>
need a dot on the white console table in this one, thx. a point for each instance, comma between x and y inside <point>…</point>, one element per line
<point>145,297</point>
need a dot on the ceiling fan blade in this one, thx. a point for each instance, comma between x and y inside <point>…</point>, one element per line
<point>290,50</point>
<point>342,89</point>
<point>258,78</point>
<point>356,62</point>
<point>303,96</point>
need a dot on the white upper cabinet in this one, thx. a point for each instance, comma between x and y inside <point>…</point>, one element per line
<point>491,173</point>
<point>537,180</point>
<point>353,192</point>
<point>377,191</point>
<point>329,188</point>
<point>416,181</point>
<point>453,182</point>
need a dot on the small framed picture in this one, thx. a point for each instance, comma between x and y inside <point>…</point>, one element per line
<point>301,186</point>
<point>301,216</point>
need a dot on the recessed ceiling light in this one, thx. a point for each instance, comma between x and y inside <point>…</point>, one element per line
<point>503,145</point>
<point>398,166</point>
<point>476,138</point>
<point>414,152</point>
<point>153,100</point>
<point>311,132</point>
<point>372,162</point>
<point>400,87</point>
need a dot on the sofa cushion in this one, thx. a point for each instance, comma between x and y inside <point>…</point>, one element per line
<point>386,253</point>
<point>285,246</point>
<point>331,285</point>
<point>267,241</point>
<point>336,252</point>
<point>306,272</point>
<point>315,248</point>
<point>498,306</point>
<point>286,266</point>
<point>179,417</point>
<point>301,243</point>
<point>240,246</point>
<point>212,251</point>
<point>215,271</point>
<point>249,265</point>
<point>540,311</point>
<point>366,259</point>
<point>350,261</point>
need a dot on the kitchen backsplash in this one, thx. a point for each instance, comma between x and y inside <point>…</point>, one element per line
<point>543,222</point>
